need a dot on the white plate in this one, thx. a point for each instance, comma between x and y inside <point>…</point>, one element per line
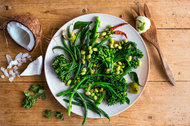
<point>57,86</point>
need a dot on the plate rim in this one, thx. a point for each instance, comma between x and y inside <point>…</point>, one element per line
<point>148,68</point>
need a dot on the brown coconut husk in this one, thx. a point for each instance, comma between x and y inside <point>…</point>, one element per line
<point>32,23</point>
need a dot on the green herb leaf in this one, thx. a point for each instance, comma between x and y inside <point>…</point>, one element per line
<point>29,101</point>
<point>59,115</point>
<point>34,88</point>
<point>48,113</point>
<point>43,96</point>
<point>134,77</point>
<point>39,91</point>
<point>80,24</point>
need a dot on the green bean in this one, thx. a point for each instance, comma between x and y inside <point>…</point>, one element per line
<point>69,35</point>
<point>104,113</point>
<point>74,103</point>
<point>65,49</point>
<point>88,105</point>
<point>69,32</point>
<point>85,106</point>
<point>79,67</point>
<point>76,87</point>
<point>100,99</point>
<point>65,92</point>
<point>94,41</point>
<point>87,40</point>
<point>84,33</point>
<point>88,67</point>
<point>80,104</point>
<point>79,54</point>
<point>99,44</point>
<point>63,41</point>
<point>78,35</point>
<point>96,27</point>
<point>75,42</point>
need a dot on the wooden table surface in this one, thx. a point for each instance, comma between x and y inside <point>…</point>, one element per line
<point>159,104</point>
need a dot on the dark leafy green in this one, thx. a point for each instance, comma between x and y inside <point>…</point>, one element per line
<point>48,113</point>
<point>134,77</point>
<point>29,101</point>
<point>59,115</point>
<point>80,24</point>
<point>39,92</point>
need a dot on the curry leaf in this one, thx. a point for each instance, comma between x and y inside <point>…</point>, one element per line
<point>134,77</point>
<point>80,24</point>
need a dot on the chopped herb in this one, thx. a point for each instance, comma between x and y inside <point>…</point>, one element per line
<point>134,77</point>
<point>29,101</point>
<point>48,113</point>
<point>59,115</point>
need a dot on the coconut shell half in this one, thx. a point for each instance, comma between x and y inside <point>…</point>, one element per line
<point>25,24</point>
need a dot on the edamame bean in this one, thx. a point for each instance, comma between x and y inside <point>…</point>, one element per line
<point>82,52</point>
<point>95,97</point>
<point>103,34</point>
<point>125,40</point>
<point>88,93</point>
<point>139,62</point>
<point>130,58</point>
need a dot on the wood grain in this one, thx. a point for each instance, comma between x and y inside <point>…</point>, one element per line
<point>160,103</point>
<point>53,13</point>
<point>169,106</point>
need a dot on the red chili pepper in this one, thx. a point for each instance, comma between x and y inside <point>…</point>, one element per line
<point>113,28</point>
<point>120,33</point>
